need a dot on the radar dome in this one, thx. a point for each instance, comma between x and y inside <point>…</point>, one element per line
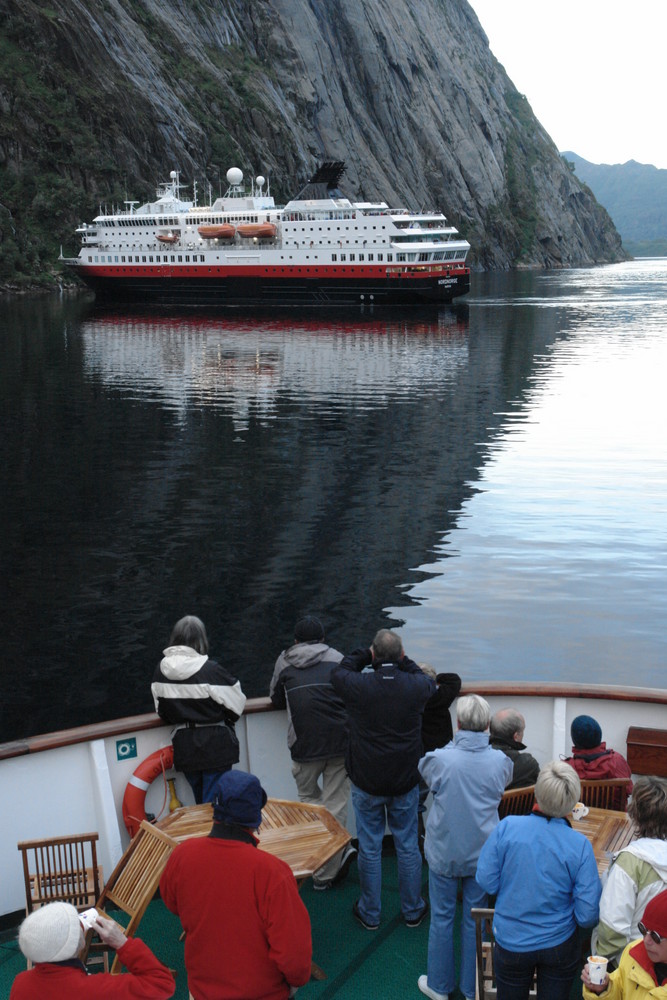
<point>234,176</point>
<point>260,181</point>
<point>173,175</point>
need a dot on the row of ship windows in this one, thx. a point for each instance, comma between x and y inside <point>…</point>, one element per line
<point>335,257</point>
<point>188,258</point>
<point>171,221</point>
<point>360,256</point>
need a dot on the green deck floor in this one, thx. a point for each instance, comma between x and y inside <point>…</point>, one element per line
<point>373,965</point>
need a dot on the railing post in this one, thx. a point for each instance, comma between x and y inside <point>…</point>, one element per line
<point>560,743</point>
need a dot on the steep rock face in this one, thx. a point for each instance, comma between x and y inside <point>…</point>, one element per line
<point>101,99</point>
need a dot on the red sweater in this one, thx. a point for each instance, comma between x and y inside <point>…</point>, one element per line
<point>247,932</point>
<point>148,978</point>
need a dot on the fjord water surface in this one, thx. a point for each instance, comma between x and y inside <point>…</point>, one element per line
<point>491,478</point>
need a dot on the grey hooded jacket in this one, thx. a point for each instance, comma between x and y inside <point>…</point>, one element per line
<point>301,683</point>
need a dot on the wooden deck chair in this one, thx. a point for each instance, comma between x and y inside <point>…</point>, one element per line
<point>61,870</point>
<point>486,981</point>
<point>517,802</point>
<point>134,880</point>
<point>608,793</point>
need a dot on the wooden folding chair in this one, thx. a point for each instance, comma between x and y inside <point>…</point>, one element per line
<point>608,793</point>
<point>517,802</point>
<point>134,880</point>
<point>61,870</point>
<point>486,979</point>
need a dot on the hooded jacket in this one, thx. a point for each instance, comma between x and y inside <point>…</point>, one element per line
<point>467,779</point>
<point>204,701</point>
<point>633,980</point>
<point>635,876</point>
<point>316,719</point>
<point>598,763</point>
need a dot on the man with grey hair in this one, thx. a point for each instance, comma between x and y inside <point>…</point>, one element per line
<point>507,728</point>
<point>384,693</point>
<point>467,779</point>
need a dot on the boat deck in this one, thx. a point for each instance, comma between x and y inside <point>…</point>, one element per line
<point>378,965</point>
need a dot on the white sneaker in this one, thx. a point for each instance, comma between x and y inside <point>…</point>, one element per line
<point>422,983</point>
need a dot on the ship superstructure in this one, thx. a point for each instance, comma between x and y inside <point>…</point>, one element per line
<point>242,249</point>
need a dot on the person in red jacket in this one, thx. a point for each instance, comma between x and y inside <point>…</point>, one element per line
<point>247,932</point>
<point>52,937</point>
<point>590,757</point>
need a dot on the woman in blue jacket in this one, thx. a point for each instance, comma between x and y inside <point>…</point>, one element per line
<point>547,885</point>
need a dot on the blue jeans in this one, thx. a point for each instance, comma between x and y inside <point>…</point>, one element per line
<point>203,783</point>
<point>556,968</point>
<point>441,970</point>
<point>373,813</point>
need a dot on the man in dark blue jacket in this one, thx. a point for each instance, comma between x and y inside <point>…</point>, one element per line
<point>316,731</point>
<point>384,693</point>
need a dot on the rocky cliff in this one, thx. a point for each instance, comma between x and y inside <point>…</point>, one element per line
<point>99,99</point>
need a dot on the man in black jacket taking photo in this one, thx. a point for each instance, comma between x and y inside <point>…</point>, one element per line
<point>384,693</point>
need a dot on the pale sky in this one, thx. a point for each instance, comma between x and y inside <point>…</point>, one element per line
<point>593,71</point>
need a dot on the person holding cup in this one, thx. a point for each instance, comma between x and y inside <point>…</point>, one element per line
<point>642,972</point>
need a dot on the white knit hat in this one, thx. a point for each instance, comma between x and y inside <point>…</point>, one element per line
<point>52,933</point>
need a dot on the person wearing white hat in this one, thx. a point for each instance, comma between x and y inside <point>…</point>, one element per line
<point>52,937</point>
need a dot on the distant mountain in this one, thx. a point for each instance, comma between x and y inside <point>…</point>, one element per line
<point>635,195</point>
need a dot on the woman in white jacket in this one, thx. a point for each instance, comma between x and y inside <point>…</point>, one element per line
<point>637,873</point>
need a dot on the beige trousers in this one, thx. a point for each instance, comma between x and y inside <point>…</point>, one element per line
<point>333,794</point>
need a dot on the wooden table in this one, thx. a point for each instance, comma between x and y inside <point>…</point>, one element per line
<point>608,831</point>
<point>304,836</point>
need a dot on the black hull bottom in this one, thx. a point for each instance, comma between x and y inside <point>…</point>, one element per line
<point>230,292</point>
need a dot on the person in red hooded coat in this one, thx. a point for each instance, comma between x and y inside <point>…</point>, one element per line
<point>590,757</point>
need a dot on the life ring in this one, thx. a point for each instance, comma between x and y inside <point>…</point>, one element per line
<point>143,776</point>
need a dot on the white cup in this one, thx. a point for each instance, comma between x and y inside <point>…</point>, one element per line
<point>579,811</point>
<point>597,969</point>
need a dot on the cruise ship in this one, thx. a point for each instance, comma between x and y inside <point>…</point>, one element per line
<point>243,250</point>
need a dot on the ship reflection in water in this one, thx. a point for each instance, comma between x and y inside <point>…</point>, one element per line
<point>485,474</point>
<point>250,367</point>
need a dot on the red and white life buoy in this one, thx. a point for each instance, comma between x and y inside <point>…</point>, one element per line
<point>144,775</point>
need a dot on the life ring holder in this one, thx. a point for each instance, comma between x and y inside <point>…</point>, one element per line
<point>134,799</point>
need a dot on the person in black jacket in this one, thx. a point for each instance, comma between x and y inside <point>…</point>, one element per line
<point>384,707</point>
<point>203,701</point>
<point>506,728</point>
<point>436,725</point>
<point>316,732</point>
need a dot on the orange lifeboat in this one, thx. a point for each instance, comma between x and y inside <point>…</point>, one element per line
<point>168,237</point>
<point>222,232</point>
<point>260,230</point>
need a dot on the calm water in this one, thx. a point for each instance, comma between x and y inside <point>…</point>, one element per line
<point>492,477</point>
